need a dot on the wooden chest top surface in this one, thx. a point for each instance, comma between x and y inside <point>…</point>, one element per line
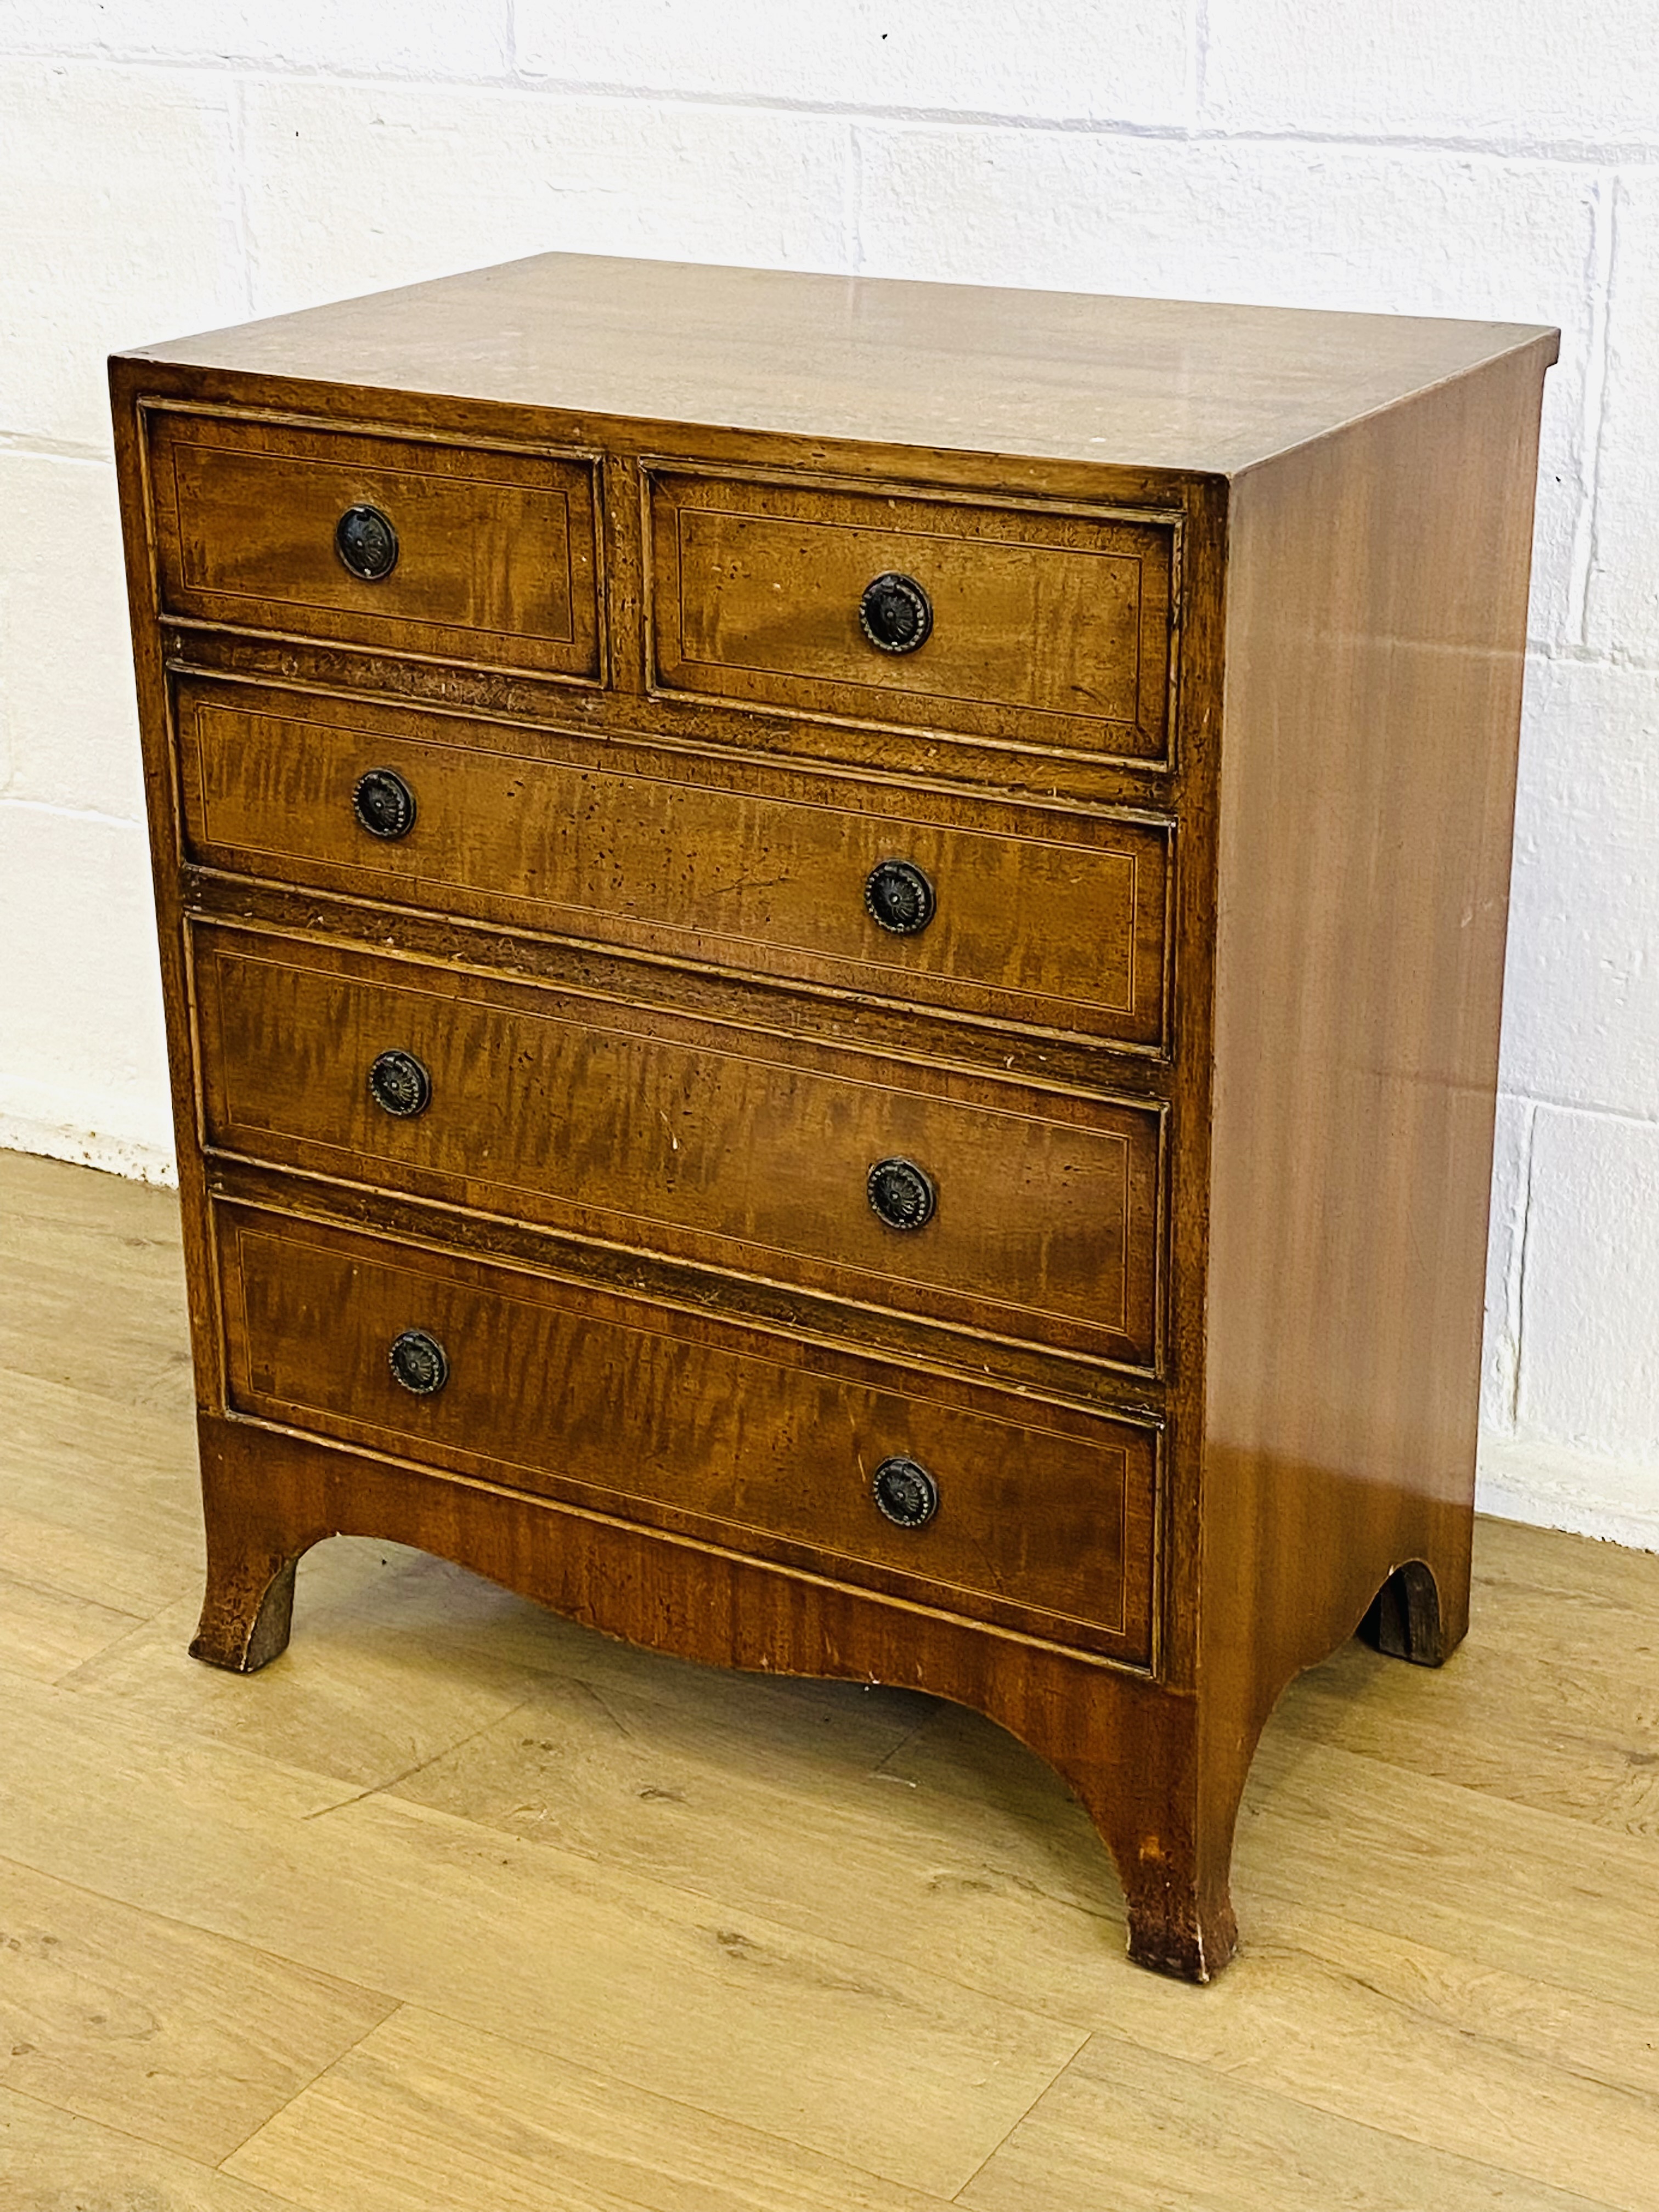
<point>1052,375</point>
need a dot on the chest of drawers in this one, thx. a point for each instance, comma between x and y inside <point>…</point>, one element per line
<point>833,955</point>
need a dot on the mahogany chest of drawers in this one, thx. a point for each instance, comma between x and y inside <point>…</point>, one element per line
<point>833,953</point>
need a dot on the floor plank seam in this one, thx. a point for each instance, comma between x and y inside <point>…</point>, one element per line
<point>1031,2008</point>
<point>146,2142</point>
<point>391,1781</point>
<point>1254,1803</point>
<point>876,1772</point>
<point>177,1733</point>
<point>1355,1912</point>
<point>752,2128</point>
<point>1507,2047</point>
<point>70,1597</point>
<point>279,1959</point>
<point>1014,2127</point>
<point>1221,2074</point>
<point>395,2006</point>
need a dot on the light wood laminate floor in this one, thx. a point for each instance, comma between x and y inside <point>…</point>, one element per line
<point>458,1908</point>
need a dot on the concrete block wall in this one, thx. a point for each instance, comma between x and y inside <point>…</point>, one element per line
<point>172,165</point>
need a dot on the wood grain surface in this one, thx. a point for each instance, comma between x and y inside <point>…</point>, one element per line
<point>1050,626</point>
<point>245,516</point>
<point>692,1139</point>
<point>1152,384</point>
<point>1044,1521</point>
<point>1369,853</point>
<point>652,1938</point>
<point>1043,918</point>
<point>157,2028</point>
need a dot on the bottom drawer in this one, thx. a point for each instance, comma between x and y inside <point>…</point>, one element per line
<point>1035,1517</point>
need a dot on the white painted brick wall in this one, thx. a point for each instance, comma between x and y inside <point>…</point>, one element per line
<point>169,164</point>
<point>438,177</point>
<point>1109,61</point>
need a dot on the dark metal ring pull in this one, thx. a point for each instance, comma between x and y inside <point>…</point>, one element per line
<point>399,1085</point>
<point>905,1493</point>
<point>366,542</point>
<point>384,803</point>
<point>902,1194</point>
<point>894,613</point>
<point>899,896</point>
<point>418,1362</point>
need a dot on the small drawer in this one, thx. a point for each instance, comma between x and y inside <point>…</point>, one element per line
<point>484,555</point>
<point>1015,1213</point>
<point>1035,918</point>
<point>1039,627</point>
<point>1038,1518</point>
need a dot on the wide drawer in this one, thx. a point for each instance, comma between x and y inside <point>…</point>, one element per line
<point>1036,918</point>
<point>1037,626</point>
<point>492,550</point>
<point>1041,1518</point>
<point>690,1138</point>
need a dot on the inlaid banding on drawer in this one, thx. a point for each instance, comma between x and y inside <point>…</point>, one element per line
<point>484,555</point>
<point>694,1140</point>
<point>1044,1518</point>
<point>1043,627</point>
<point>1042,920</point>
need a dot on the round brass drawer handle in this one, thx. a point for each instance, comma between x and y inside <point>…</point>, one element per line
<point>895,614</point>
<point>399,1085</point>
<point>905,1493</point>
<point>898,896</point>
<point>900,1194</point>
<point>384,803</point>
<point>366,543</point>
<point>418,1361</point>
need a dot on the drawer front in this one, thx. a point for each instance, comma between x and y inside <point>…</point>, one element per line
<point>1048,628</point>
<point>1041,1519</point>
<point>1024,928</point>
<point>694,1139</point>
<point>496,558</point>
